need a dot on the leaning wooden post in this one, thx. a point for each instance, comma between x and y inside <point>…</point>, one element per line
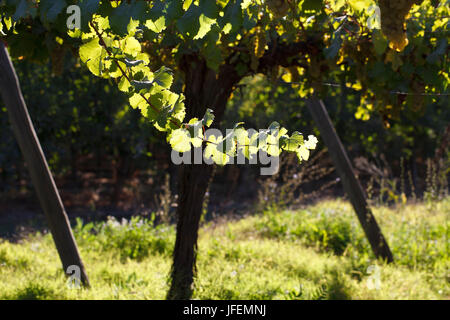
<point>351,184</point>
<point>37,165</point>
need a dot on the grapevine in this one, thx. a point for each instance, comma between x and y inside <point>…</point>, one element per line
<point>393,25</point>
<point>182,136</point>
<point>243,34</point>
<point>179,61</point>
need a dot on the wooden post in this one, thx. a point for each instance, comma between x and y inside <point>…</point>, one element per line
<point>37,165</point>
<point>351,184</point>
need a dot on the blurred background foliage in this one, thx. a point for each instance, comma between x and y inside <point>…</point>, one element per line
<point>409,135</point>
<point>395,151</point>
<point>84,125</point>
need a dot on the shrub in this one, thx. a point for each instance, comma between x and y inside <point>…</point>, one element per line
<point>133,239</point>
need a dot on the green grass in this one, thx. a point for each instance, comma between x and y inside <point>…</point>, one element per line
<point>316,253</point>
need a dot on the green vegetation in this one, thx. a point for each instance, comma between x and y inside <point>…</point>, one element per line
<point>318,252</point>
<point>161,54</point>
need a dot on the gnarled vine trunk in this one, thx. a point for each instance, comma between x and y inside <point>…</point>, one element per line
<point>204,89</point>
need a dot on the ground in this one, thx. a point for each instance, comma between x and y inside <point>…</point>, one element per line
<point>318,252</point>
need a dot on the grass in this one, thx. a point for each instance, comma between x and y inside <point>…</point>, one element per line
<point>316,253</point>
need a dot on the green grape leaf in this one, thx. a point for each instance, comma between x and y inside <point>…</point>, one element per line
<point>132,47</point>
<point>302,153</point>
<point>208,118</point>
<point>311,143</point>
<point>273,150</point>
<point>92,53</point>
<point>221,158</point>
<point>136,101</point>
<point>50,9</point>
<point>179,110</point>
<point>186,4</point>
<point>205,26</point>
<point>157,102</point>
<point>212,151</point>
<point>238,125</point>
<point>132,63</point>
<point>124,84</point>
<point>163,117</point>
<point>360,5</point>
<point>252,147</point>
<point>245,4</point>
<point>142,86</point>
<point>122,15</point>
<point>180,140</point>
<point>163,77</point>
<point>90,50</point>
<point>195,129</point>
<point>189,23</point>
<point>227,145</point>
<point>291,143</point>
<point>262,140</point>
<point>274,126</point>
<point>210,148</point>
<point>241,136</point>
<point>156,26</point>
<point>272,146</point>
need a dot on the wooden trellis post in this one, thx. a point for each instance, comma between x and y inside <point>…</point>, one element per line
<point>37,165</point>
<point>350,182</point>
